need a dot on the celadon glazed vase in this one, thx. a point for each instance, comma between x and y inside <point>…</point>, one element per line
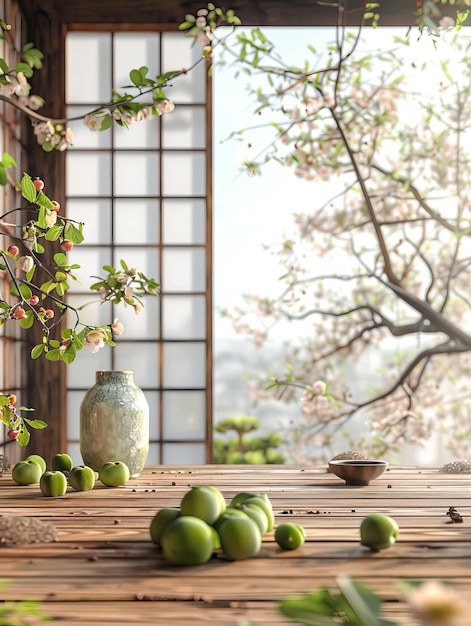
<point>114,422</point>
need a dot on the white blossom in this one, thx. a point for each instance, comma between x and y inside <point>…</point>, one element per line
<point>164,105</point>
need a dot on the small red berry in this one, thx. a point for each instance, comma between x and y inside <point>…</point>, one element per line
<point>38,184</point>
<point>49,313</point>
<point>67,246</point>
<point>19,313</point>
<point>56,206</point>
<point>13,434</point>
<point>34,300</point>
<point>14,250</point>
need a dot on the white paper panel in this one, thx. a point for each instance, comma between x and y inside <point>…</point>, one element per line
<point>144,259</point>
<point>184,453</point>
<point>184,127</point>
<point>184,317</point>
<point>140,358</point>
<point>152,398</point>
<point>184,415</point>
<point>184,174</point>
<point>144,325</point>
<point>177,54</point>
<point>131,51</point>
<point>136,220</point>
<point>96,217</point>
<point>142,134</point>
<point>88,174</point>
<point>87,54</point>
<point>81,372</point>
<point>73,450</point>
<point>184,221</point>
<point>136,173</point>
<point>74,399</point>
<point>153,457</point>
<point>184,365</point>
<point>183,269</point>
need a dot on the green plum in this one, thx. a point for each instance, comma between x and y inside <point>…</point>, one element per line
<point>62,462</point>
<point>378,531</point>
<point>188,540</point>
<point>230,511</point>
<point>39,460</point>
<point>203,502</point>
<point>240,537</point>
<point>289,536</point>
<point>257,514</point>
<point>26,473</point>
<point>264,504</point>
<point>53,483</point>
<point>114,474</point>
<point>160,521</point>
<point>82,478</point>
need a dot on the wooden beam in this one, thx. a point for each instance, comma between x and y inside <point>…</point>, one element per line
<point>252,12</point>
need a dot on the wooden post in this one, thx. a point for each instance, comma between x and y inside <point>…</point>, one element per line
<point>46,380</point>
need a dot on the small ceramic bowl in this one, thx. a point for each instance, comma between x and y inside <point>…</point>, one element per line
<point>357,471</point>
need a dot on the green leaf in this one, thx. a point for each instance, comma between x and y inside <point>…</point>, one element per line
<point>38,424</point>
<point>48,286</point>
<point>3,175</point>
<point>44,201</point>
<point>53,355</point>
<point>25,68</point>
<point>73,233</point>
<point>24,437</point>
<point>37,351</point>
<point>60,259</point>
<point>28,320</point>
<point>30,273</point>
<point>69,354</point>
<point>28,190</point>
<point>8,160</point>
<point>136,77</point>
<point>183,26</point>
<point>364,602</point>
<point>54,232</point>
<point>107,122</point>
<point>41,221</point>
<point>25,291</point>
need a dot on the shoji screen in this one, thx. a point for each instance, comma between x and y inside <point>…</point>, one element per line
<point>142,194</point>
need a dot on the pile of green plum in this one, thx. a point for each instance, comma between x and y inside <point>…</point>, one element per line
<point>33,470</point>
<point>203,523</point>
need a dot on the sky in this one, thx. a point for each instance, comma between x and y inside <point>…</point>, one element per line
<point>252,211</point>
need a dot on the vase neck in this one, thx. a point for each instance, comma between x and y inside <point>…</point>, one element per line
<point>113,376</point>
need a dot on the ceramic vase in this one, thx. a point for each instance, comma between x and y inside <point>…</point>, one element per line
<point>114,422</point>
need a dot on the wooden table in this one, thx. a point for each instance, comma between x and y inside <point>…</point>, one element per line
<point>105,570</point>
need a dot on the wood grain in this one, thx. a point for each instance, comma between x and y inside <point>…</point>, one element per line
<point>105,570</point>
